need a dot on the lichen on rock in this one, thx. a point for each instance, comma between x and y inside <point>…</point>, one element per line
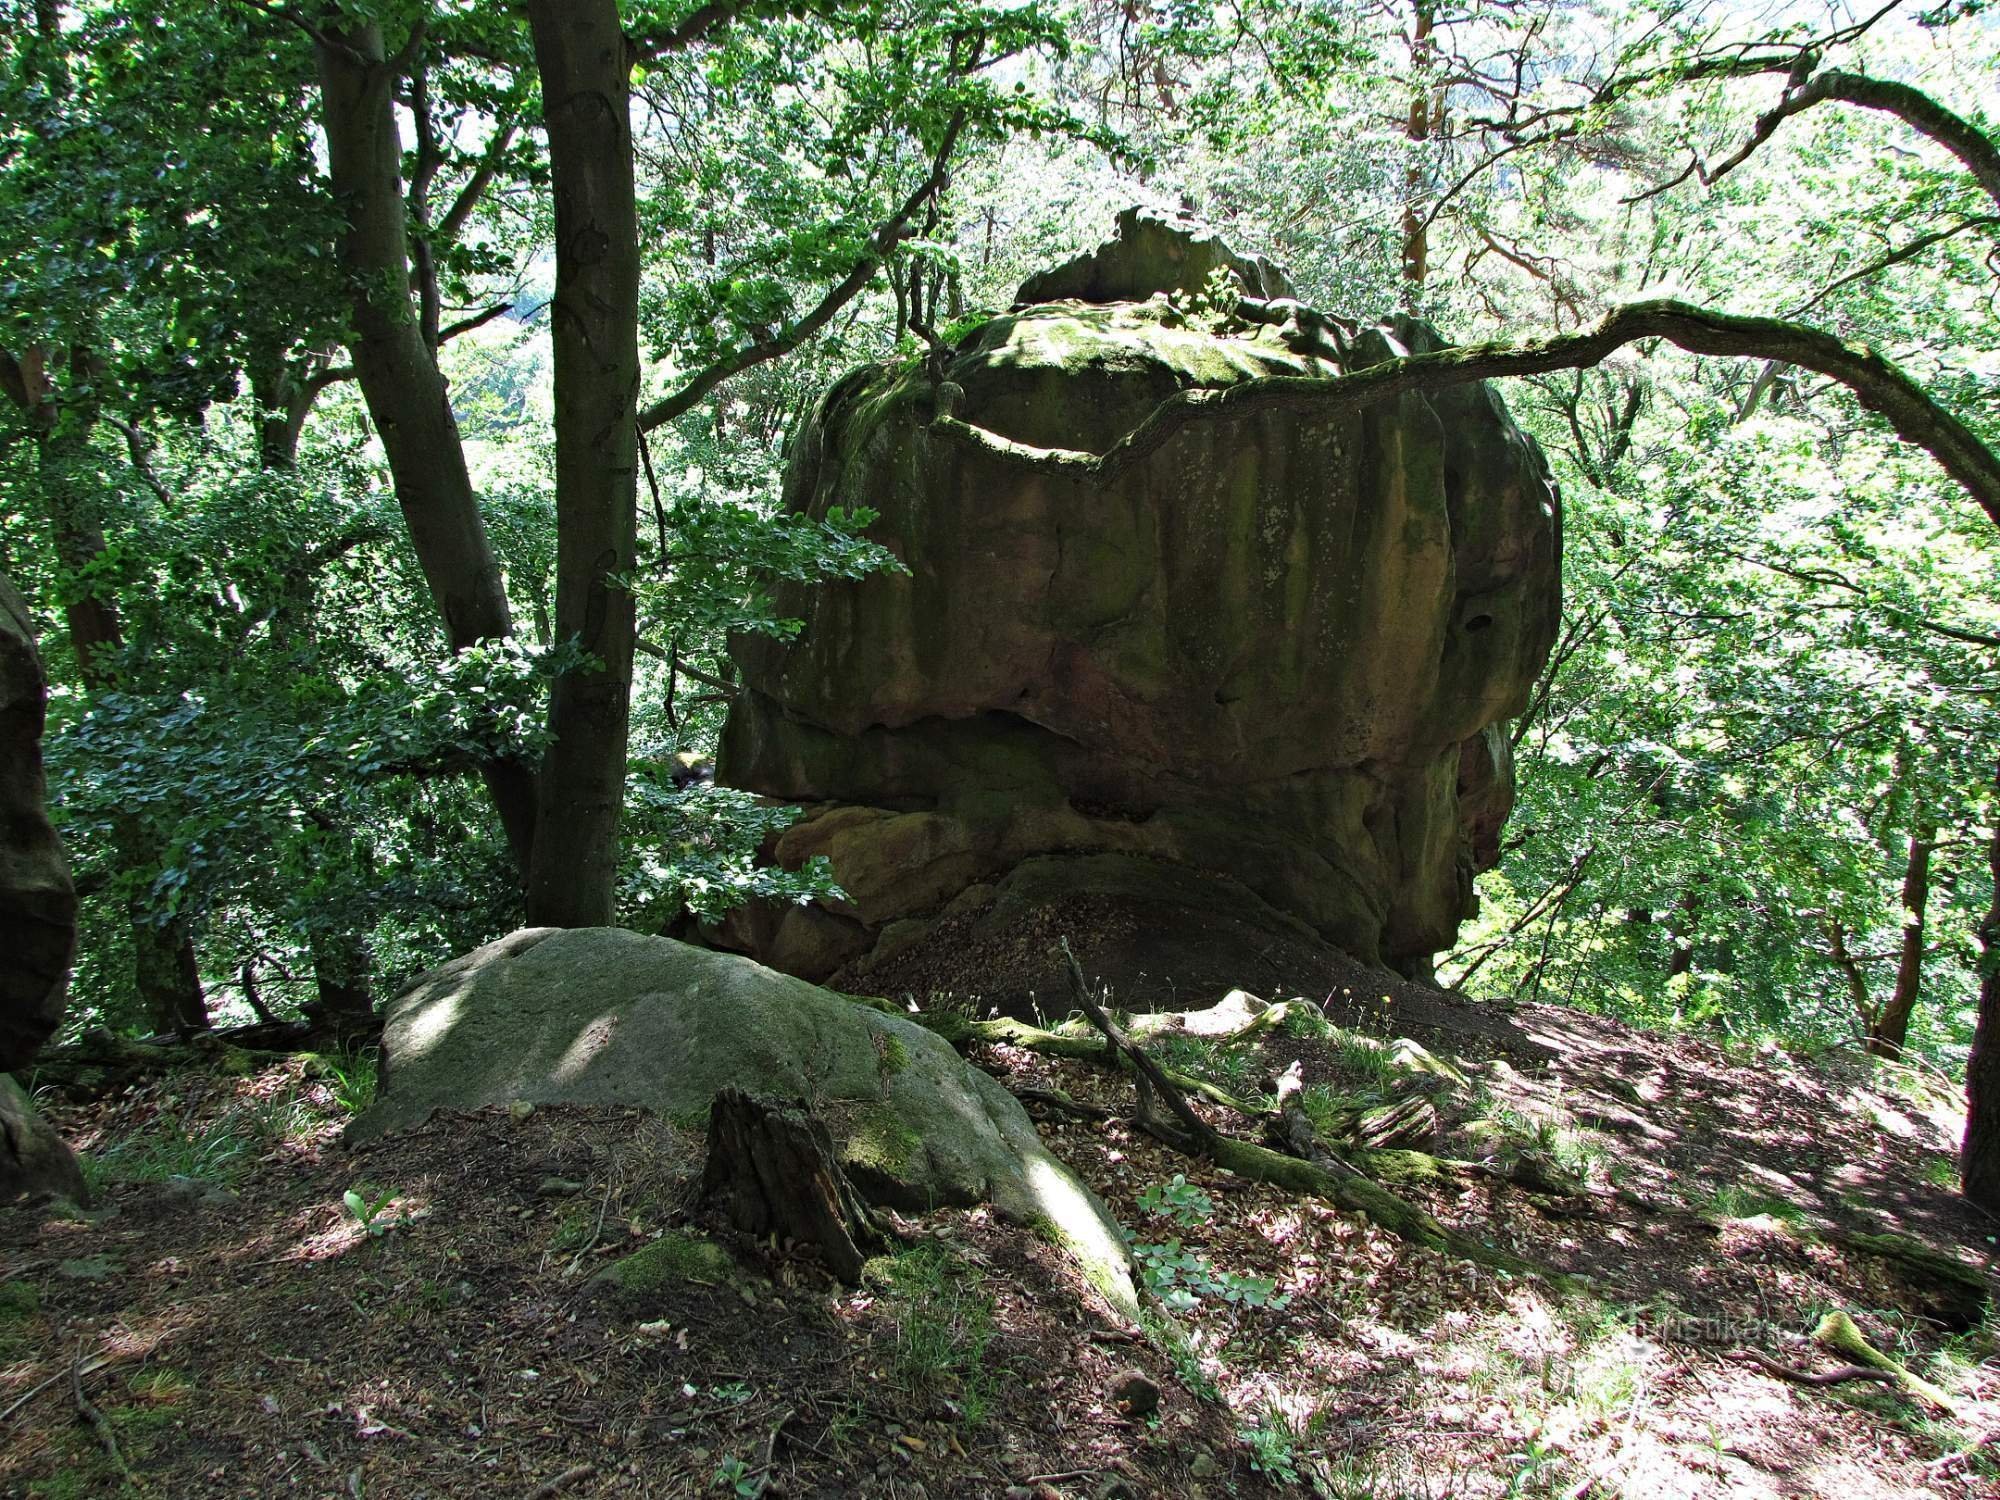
<point>1264,667</point>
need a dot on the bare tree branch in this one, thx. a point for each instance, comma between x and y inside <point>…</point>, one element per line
<point>880,243</point>
<point>1895,257</point>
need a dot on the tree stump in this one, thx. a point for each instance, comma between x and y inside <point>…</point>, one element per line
<point>774,1163</point>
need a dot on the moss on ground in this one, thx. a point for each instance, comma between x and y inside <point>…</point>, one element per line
<point>673,1260</point>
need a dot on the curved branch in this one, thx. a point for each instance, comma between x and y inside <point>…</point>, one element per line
<point>1913,107</point>
<point>1879,385</point>
<point>880,243</point>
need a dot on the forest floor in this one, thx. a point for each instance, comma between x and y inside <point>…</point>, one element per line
<point>254,1309</point>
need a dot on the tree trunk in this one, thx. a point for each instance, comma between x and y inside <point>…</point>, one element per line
<point>1416,255</point>
<point>1891,1029</point>
<point>775,1167</point>
<point>585,68</point>
<point>344,1000</point>
<point>164,971</point>
<point>1979,1158</point>
<point>399,376</point>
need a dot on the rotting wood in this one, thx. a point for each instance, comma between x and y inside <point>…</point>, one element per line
<point>775,1166</point>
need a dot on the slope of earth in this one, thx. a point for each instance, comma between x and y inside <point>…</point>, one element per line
<point>232,1322</point>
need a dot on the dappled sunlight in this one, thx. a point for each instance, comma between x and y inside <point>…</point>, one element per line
<point>590,1044</point>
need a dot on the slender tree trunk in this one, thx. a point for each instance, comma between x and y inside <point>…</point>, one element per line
<point>1979,1158</point>
<point>400,379</point>
<point>344,1002</point>
<point>164,971</point>
<point>1857,981</point>
<point>1416,229</point>
<point>585,68</point>
<point>1892,1028</point>
<point>1680,929</point>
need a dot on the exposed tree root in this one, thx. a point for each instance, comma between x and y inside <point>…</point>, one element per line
<point>1316,1172</point>
<point>1080,1049</point>
<point>1838,1333</point>
<point>1839,1375</point>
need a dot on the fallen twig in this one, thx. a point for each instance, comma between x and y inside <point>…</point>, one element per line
<point>1151,1079</point>
<point>99,1423</point>
<point>22,1401</point>
<point>1837,1376</point>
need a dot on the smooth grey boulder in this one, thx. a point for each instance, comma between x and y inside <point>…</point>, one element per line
<point>601,1016</point>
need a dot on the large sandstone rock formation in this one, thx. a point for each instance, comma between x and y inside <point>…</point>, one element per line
<point>1240,701</point>
<point>37,915</point>
<point>597,1015</point>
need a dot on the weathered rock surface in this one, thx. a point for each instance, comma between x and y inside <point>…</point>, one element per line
<point>606,1017</point>
<point>37,901</point>
<point>37,915</point>
<point>1269,659</point>
<point>34,1160</point>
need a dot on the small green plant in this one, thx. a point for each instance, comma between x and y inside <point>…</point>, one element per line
<point>1181,1278</point>
<point>1534,1456</point>
<point>369,1210</point>
<point>1186,1359</point>
<point>1273,1445</point>
<point>217,1154</point>
<point>737,1477</point>
<point>944,1325</point>
<point>1232,1068</point>
<point>1179,1200</point>
<point>1306,1021</point>
<point>352,1078</point>
<point>1734,1201</point>
<point>1941,1172</point>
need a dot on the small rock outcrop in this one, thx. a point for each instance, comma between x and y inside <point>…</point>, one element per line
<point>37,915</point>
<point>1240,700</point>
<point>600,1016</point>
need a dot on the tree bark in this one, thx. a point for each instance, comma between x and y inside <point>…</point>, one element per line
<point>1979,1156</point>
<point>1416,252</point>
<point>400,380</point>
<point>585,66</point>
<point>775,1166</point>
<point>1891,1029</point>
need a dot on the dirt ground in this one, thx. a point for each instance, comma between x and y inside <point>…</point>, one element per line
<point>231,1322</point>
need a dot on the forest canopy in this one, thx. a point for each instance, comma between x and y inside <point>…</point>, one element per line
<point>397,396</point>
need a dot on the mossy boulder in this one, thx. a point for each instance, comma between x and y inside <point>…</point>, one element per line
<point>600,1016</point>
<point>1278,650</point>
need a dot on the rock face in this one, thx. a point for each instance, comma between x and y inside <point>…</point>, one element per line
<point>1253,678</point>
<point>37,915</point>
<point>602,1016</point>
